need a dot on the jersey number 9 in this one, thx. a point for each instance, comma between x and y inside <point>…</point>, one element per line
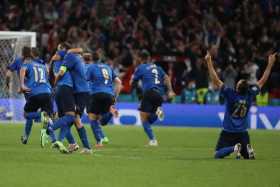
<point>105,74</point>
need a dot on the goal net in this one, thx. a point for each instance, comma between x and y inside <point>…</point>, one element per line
<point>11,44</point>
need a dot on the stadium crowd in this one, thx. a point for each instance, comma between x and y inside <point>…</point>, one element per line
<point>240,34</point>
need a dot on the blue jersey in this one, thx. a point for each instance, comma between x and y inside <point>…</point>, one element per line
<point>36,78</point>
<point>151,75</point>
<point>237,108</point>
<point>75,65</point>
<point>101,78</point>
<point>16,65</point>
<point>66,79</point>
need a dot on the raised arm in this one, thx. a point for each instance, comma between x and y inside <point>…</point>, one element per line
<point>266,73</point>
<point>212,73</point>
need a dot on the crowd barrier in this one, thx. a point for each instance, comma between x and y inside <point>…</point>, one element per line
<point>181,115</point>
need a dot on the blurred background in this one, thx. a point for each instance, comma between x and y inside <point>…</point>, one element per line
<point>241,34</point>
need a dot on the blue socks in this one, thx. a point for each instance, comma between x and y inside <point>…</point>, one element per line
<point>148,130</point>
<point>96,130</point>
<point>106,118</point>
<point>69,137</point>
<point>64,123</point>
<point>223,152</point>
<point>28,127</point>
<point>83,136</point>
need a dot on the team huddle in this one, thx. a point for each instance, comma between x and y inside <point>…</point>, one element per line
<point>79,82</point>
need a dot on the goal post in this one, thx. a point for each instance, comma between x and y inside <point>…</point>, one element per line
<point>11,44</point>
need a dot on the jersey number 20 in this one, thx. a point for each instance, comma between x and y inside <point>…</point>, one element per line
<point>155,72</point>
<point>240,110</point>
<point>39,75</point>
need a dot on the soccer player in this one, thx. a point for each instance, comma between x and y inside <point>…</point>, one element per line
<point>234,136</point>
<point>73,63</point>
<point>64,95</point>
<point>34,83</point>
<point>106,117</point>
<point>105,87</point>
<point>154,80</point>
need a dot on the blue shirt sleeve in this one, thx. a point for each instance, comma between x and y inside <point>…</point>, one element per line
<point>15,66</point>
<point>68,61</point>
<point>114,75</point>
<point>161,72</point>
<point>225,92</point>
<point>88,73</point>
<point>137,74</point>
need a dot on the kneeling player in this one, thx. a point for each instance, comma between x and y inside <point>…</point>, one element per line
<point>154,80</point>
<point>234,136</point>
<point>101,78</point>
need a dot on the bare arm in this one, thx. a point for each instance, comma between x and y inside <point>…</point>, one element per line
<point>168,84</point>
<point>266,73</point>
<point>212,73</point>
<point>22,74</point>
<point>118,86</point>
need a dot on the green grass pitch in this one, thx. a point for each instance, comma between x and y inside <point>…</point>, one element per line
<point>183,159</point>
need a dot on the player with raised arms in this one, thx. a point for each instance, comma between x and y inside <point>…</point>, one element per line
<point>154,80</point>
<point>234,136</point>
<point>105,87</point>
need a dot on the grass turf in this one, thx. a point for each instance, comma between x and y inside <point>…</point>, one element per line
<point>184,158</point>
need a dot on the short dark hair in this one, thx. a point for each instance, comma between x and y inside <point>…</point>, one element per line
<point>26,52</point>
<point>243,87</point>
<point>35,52</point>
<point>65,45</point>
<point>144,54</point>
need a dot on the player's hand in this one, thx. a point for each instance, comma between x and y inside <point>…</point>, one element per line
<point>171,94</point>
<point>24,89</point>
<point>208,57</point>
<point>272,58</point>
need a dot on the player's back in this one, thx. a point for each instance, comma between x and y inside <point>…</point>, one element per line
<point>237,108</point>
<point>74,63</point>
<point>36,78</point>
<point>66,79</point>
<point>151,75</point>
<point>100,77</point>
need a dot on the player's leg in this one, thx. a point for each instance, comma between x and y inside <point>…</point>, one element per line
<point>226,145</point>
<point>94,111</point>
<point>61,108</point>
<point>81,100</point>
<point>30,108</point>
<point>247,151</point>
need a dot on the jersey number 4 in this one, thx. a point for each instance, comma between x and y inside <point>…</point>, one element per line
<point>39,75</point>
<point>155,72</point>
